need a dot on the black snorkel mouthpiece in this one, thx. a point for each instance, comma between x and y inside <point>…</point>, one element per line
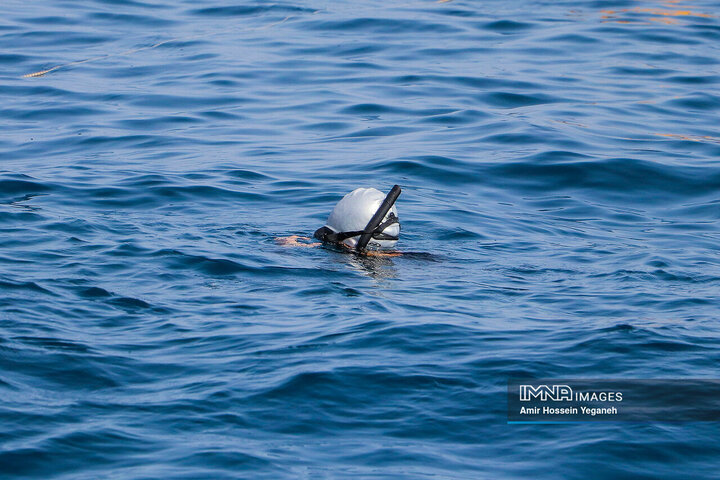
<point>376,219</point>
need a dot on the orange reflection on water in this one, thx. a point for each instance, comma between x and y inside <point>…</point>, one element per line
<point>654,14</point>
<point>671,13</point>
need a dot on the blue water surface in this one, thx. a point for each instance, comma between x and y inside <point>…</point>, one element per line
<point>561,175</point>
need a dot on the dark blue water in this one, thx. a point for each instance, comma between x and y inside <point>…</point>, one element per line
<point>561,175</point>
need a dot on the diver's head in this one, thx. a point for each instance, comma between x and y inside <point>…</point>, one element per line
<point>364,219</point>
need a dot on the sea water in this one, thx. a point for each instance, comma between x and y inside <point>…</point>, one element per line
<point>561,204</point>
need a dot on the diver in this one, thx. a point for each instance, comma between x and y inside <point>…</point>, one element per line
<point>364,222</point>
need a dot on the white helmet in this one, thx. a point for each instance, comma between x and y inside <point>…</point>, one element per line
<point>364,218</point>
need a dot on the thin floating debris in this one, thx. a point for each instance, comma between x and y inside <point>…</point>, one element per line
<point>690,138</point>
<point>41,73</point>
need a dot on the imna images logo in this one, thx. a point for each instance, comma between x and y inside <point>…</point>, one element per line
<point>554,393</point>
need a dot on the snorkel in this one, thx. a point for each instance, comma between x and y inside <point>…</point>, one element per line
<point>348,224</point>
<point>374,228</point>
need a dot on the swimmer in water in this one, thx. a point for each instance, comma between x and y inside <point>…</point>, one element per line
<point>365,222</point>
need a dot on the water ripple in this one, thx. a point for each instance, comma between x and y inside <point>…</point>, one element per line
<point>559,213</point>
